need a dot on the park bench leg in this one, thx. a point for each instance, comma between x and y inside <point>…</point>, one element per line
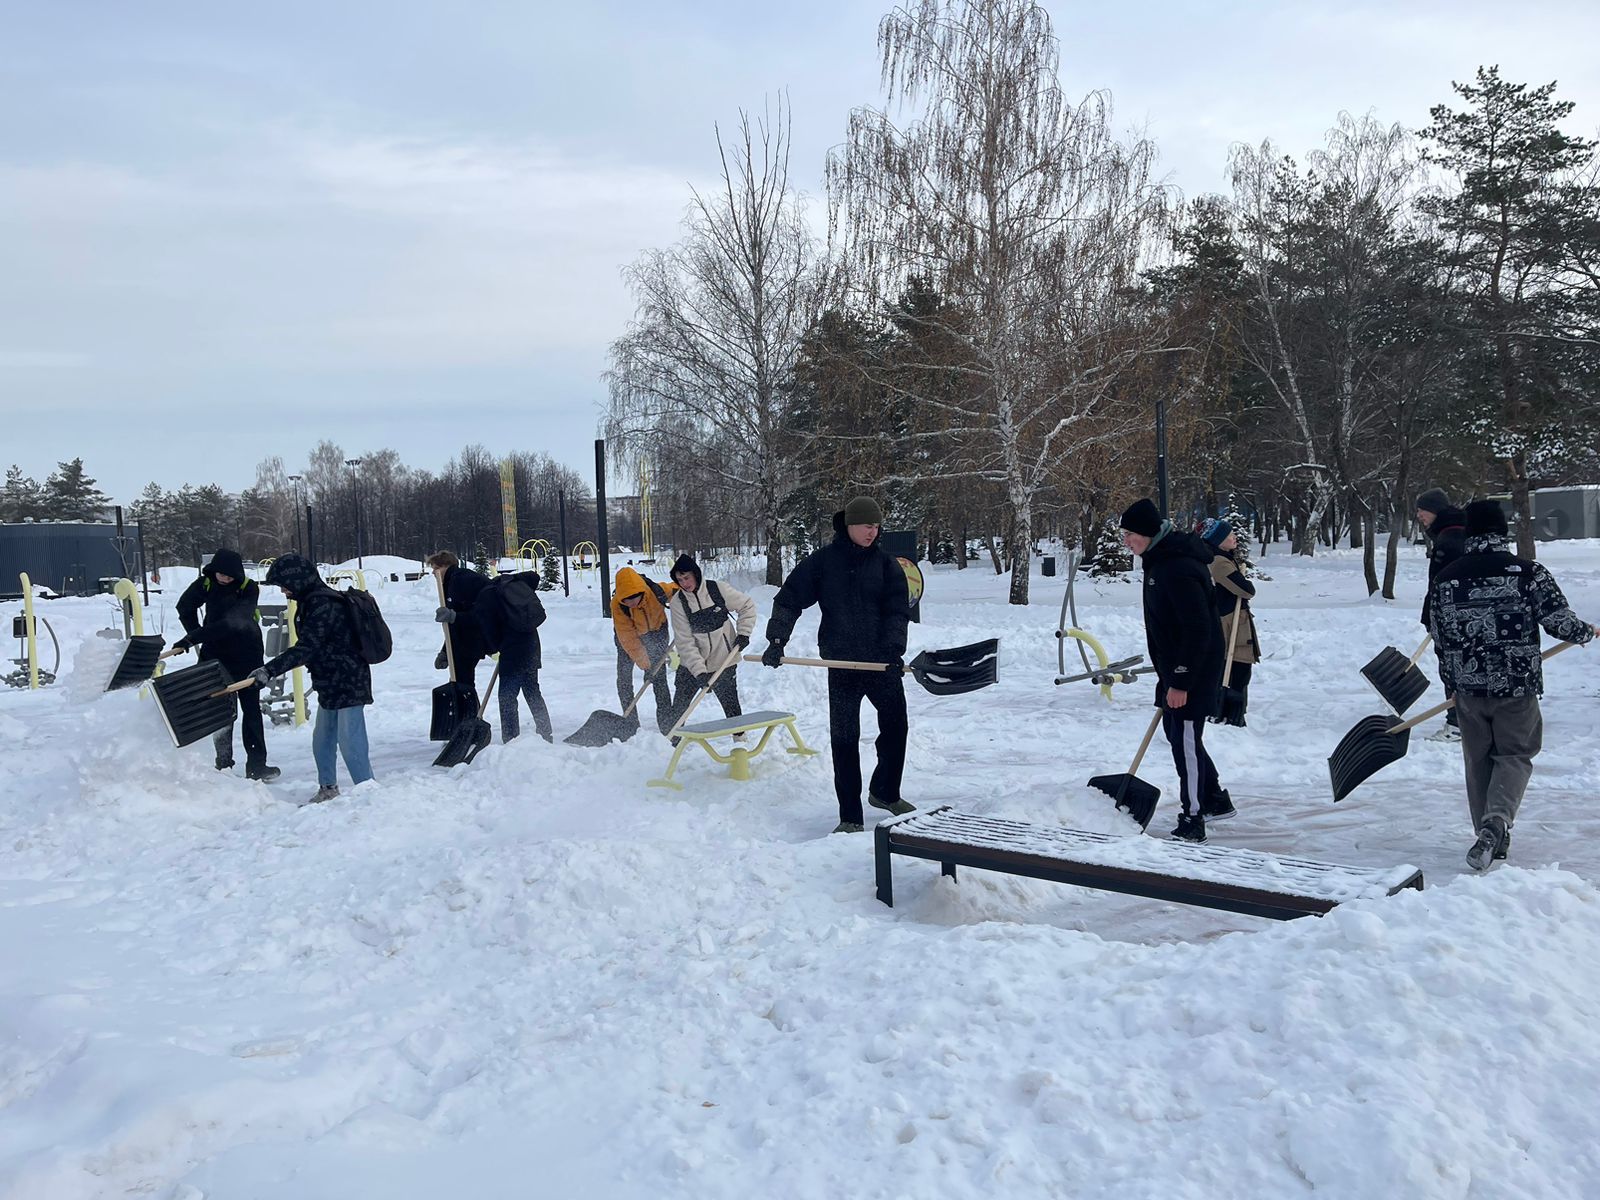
<point>880,855</point>
<point>667,781</point>
<point>799,746</point>
<point>947,868</point>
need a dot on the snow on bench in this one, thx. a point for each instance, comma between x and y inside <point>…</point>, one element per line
<point>1236,880</point>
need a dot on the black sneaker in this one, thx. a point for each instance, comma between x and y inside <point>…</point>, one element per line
<point>1219,807</point>
<point>1190,829</point>
<point>847,827</point>
<point>262,773</point>
<point>224,764</point>
<point>1486,848</point>
<point>898,807</point>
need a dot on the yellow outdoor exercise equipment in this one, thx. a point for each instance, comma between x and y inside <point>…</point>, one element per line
<point>738,758</point>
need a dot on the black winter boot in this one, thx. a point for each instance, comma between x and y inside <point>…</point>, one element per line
<point>261,772</point>
<point>1190,829</point>
<point>1219,807</point>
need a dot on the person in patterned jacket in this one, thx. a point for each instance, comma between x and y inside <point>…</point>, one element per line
<point>1487,609</point>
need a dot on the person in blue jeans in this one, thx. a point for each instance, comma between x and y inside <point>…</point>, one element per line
<point>328,647</point>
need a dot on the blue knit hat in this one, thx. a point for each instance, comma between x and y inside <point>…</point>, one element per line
<point>1215,531</point>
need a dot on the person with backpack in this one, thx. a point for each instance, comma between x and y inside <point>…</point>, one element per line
<point>338,635</point>
<point>1488,607</point>
<point>711,624</point>
<point>461,590</point>
<point>230,633</point>
<point>509,614</point>
<point>641,633</point>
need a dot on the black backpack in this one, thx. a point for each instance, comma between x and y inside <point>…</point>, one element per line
<point>518,603</point>
<point>374,643</point>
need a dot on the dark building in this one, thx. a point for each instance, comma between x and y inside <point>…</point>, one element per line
<point>68,557</point>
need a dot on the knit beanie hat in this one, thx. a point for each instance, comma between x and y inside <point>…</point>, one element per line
<point>1142,517</point>
<point>863,510</point>
<point>1434,500</point>
<point>1486,518</point>
<point>1215,531</point>
<point>687,563</point>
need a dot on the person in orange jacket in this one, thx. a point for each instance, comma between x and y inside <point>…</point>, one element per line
<point>642,631</point>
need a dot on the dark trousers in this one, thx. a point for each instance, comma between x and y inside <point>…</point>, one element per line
<point>255,741</point>
<point>655,645</point>
<point>523,681</point>
<point>1197,774</point>
<point>1500,737</point>
<point>726,690</point>
<point>886,690</point>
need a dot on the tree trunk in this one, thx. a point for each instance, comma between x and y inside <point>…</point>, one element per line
<point>994,554</point>
<point>1368,526</point>
<point>1391,553</point>
<point>1021,553</point>
<point>1521,502</point>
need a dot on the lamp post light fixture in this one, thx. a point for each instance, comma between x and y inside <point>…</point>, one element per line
<point>298,546</point>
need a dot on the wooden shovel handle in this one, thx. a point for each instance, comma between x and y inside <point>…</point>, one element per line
<point>1409,722</point>
<point>232,688</point>
<point>1412,661</point>
<point>732,657</point>
<point>645,686</point>
<point>449,650</point>
<point>489,691</point>
<point>839,663</point>
<point>1233,640</point>
<point>1145,745</point>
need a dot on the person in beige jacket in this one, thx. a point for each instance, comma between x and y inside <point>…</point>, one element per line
<point>711,624</point>
<point>1233,604</point>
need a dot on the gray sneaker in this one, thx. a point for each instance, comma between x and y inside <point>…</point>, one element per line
<point>329,792</point>
<point>898,807</point>
<point>1487,848</point>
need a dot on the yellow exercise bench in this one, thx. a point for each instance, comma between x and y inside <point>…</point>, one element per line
<point>739,757</point>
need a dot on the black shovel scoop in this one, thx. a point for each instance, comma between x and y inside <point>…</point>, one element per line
<point>1133,795</point>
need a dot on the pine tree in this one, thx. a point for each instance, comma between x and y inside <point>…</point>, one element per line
<point>552,570</point>
<point>1241,527</point>
<point>70,495</point>
<point>20,498</point>
<point>1108,556</point>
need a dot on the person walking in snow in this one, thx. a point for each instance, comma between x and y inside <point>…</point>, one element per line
<point>1233,594</point>
<point>866,607</point>
<point>462,587</point>
<point>327,645</point>
<point>229,633</point>
<point>1487,608</point>
<point>711,624</point>
<point>1444,525</point>
<point>642,633</point>
<point>1184,634</point>
<point>508,614</point>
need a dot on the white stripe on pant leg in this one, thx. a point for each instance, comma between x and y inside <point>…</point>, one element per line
<point>1193,761</point>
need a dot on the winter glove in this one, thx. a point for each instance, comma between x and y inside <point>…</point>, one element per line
<point>772,656</point>
<point>444,616</point>
<point>261,678</point>
<point>742,642</point>
<point>897,666</point>
<point>181,646</point>
<point>703,679</point>
<point>441,661</point>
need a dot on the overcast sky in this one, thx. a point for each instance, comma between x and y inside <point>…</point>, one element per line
<point>229,230</point>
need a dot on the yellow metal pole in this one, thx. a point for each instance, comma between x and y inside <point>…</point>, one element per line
<point>297,676</point>
<point>31,628</point>
<point>128,592</point>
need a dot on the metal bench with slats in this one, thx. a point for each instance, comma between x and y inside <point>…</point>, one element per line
<point>1228,878</point>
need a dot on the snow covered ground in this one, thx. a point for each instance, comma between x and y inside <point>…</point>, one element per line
<point>534,977</point>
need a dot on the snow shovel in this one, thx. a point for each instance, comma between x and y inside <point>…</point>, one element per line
<point>138,662</point>
<point>472,733</point>
<point>602,728</point>
<point>452,703</point>
<point>1373,743</point>
<point>1133,795</point>
<point>197,701</point>
<point>941,672</point>
<point>1232,705</point>
<point>1396,678</point>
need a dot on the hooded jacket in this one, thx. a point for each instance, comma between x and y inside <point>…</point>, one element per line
<point>325,637</point>
<point>703,653</point>
<point>230,631</point>
<point>632,624</point>
<point>1447,541</point>
<point>492,611</point>
<point>1182,627</point>
<point>1233,594</point>
<point>866,605</point>
<point>1488,606</point>
<point>462,587</point>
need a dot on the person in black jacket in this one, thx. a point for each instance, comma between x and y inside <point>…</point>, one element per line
<point>230,633</point>
<point>461,590</point>
<point>866,607</point>
<point>1184,635</point>
<point>1488,607</point>
<point>1444,525</point>
<point>327,646</point>
<point>508,614</point>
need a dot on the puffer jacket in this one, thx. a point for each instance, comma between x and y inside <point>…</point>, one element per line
<point>1233,592</point>
<point>862,592</point>
<point>703,652</point>
<point>1488,606</point>
<point>632,624</point>
<point>325,637</point>
<point>1181,626</point>
<point>230,631</point>
<point>462,587</point>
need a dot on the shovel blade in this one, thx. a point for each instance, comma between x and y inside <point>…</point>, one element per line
<point>958,670</point>
<point>138,662</point>
<point>470,736</point>
<point>1394,677</point>
<point>1363,752</point>
<point>188,707</point>
<point>1133,795</point>
<point>452,704</point>
<point>601,729</point>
